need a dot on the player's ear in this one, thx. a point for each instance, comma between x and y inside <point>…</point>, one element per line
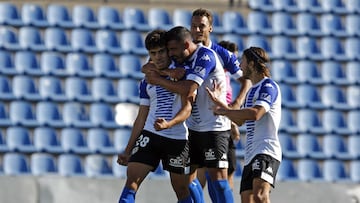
<point>211,28</point>
<point>186,44</point>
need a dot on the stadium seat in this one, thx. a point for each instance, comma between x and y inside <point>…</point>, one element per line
<point>107,41</point>
<point>70,165</point>
<point>353,72</point>
<point>33,15</point>
<point>103,90</point>
<point>352,24</point>
<point>331,25</point>
<point>159,18</point>
<point>309,146</point>
<point>259,41</point>
<point>353,96</point>
<point>283,24</point>
<point>288,124</point>
<point>82,40</point>
<point>310,6</point>
<point>77,64</point>
<point>289,6</point>
<point>334,122</point>
<point>240,149</point>
<point>18,140</point>
<point>308,121</point>
<point>101,115</point>
<point>307,48</point>
<point>283,72</point>
<point>283,48</point>
<point>76,89</point>
<point>335,147</point>
<point>104,66</point>
<point>21,113</point>
<point>334,6</point>
<point>26,63</point>
<point>262,5</point>
<point>24,88</point>
<point>126,113</point>
<point>45,140</point>
<point>334,171</point>
<point>48,114</point>
<point>4,117</point>
<point>16,164</point>
<point>109,18</point>
<point>128,90</point>
<point>6,92</point>
<point>235,38</point>
<point>52,63</point>
<point>307,72</point>
<point>355,171</point>
<point>99,142</point>
<point>218,28</point>
<point>334,97</point>
<point>58,16</point>
<point>130,66</point>
<point>182,17</point>
<point>288,147</point>
<point>43,164</point>
<point>353,146</point>
<point>75,115</point>
<point>3,147</point>
<point>309,170</point>
<point>238,169</point>
<point>50,88</point>
<point>6,63</point>
<point>308,96</point>
<point>288,97</point>
<point>9,39</point>
<point>72,141</point>
<point>332,73</point>
<point>286,171</point>
<point>132,42</point>
<point>121,138</point>
<point>308,24</point>
<point>332,49</point>
<point>258,23</point>
<point>352,48</point>
<point>233,22</point>
<point>135,19</point>
<point>84,17</point>
<point>55,39</point>
<point>30,39</point>
<point>353,119</point>
<point>97,166</point>
<point>10,15</point>
<point>118,170</point>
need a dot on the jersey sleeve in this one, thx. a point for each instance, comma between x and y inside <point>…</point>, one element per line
<point>144,97</point>
<point>204,64</point>
<point>229,61</point>
<point>267,94</point>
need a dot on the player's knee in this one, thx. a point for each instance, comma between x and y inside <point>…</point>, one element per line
<point>261,196</point>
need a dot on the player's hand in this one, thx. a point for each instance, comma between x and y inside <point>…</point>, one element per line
<point>177,73</point>
<point>123,159</point>
<point>215,92</point>
<point>152,77</point>
<point>149,66</point>
<point>161,124</point>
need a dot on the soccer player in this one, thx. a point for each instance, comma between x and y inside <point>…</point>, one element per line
<point>209,134</point>
<point>159,132</point>
<point>261,114</point>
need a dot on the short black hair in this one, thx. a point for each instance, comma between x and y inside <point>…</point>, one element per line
<point>178,33</point>
<point>155,39</point>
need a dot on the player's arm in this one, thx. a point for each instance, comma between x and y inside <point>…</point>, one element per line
<point>241,115</point>
<point>240,98</point>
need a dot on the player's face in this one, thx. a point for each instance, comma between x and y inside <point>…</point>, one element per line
<point>244,66</point>
<point>177,51</point>
<point>159,56</point>
<point>200,29</point>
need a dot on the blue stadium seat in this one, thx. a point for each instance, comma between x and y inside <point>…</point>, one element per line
<point>9,39</point>
<point>30,39</point>
<point>182,17</point>
<point>218,28</point>
<point>309,147</point>
<point>332,72</point>
<point>289,6</point>
<point>240,148</point>
<point>7,66</point>
<point>102,115</point>
<point>283,72</point>
<point>104,66</point>
<point>48,114</point>
<point>159,18</point>
<point>84,17</point>
<point>353,72</point>
<point>334,171</point>
<point>258,23</point>
<point>332,49</point>
<point>109,18</point>
<point>308,121</point>
<point>353,96</point>
<point>103,90</point>
<point>4,117</point>
<point>55,39</point>
<point>118,170</point>
<point>331,24</point>
<point>121,138</point>
<point>99,142</point>
<point>235,38</point>
<point>308,24</point>
<point>334,6</point>
<point>77,64</point>
<point>24,88</point>
<point>310,6</point>
<point>16,164</point>
<point>283,48</point>
<point>33,15</point>
<point>333,97</point>
<point>21,113</point>
<point>238,170</point>
<point>18,140</point>
<point>130,66</point>
<point>309,170</point>
<point>132,42</point>
<point>107,41</point>
<point>3,146</point>
<point>234,22</point>
<point>97,166</point>
<point>307,48</point>
<point>72,141</point>
<point>283,24</point>
<point>26,63</point>
<point>352,48</point>
<point>286,171</point>
<point>353,146</point>
<point>52,63</point>
<point>352,24</point>
<point>353,6</point>
<point>288,97</point>
<point>288,147</point>
<point>58,16</point>
<point>309,97</point>
<point>45,140</point>
<point>70,165</point>
<point>6,92</point>
<point>10,14</point>
<point>262,5</point>
<point>75,115</point>
<point>355,171</point>
<point>288,124</point>
<point>82,40</point>
<point>334,122</point>
<point>136,19</point>
<point>76,89</point>
<point>125,114</point>
<point>128,90</point>
<point>43,164</point>
<point>50,88</point>
<point>259,41</point>
<point>335,147</point>
<point>307,72</point>
<point>353,119</point>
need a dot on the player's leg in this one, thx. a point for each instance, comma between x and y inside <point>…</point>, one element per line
<point>261,191</point>
<point>201,176</point>
<point>246,185</point>
<point>232,163</point>
<point>195,188</point>
<point>180,183</point>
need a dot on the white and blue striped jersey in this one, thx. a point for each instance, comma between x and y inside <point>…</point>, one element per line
<point>262,135</point>
<point>162,104</point>
<point>205,68</point>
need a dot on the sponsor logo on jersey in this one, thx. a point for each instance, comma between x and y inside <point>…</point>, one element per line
<point>205,57</point>
<point>200,70</point>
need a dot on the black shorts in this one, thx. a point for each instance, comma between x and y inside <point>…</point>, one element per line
<point>231,157</point>
<point>209,149</point>
<point>261,166</point>
<point>151,148</point>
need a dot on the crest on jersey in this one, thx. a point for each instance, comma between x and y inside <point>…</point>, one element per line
<point>200,70</point>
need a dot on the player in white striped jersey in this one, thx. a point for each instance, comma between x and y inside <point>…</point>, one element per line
<point>261,114</point>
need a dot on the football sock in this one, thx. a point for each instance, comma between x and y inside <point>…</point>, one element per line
<point>196,191</point>
<point>210,187</point>
<point>223,191</point>
<point>127,196</point>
